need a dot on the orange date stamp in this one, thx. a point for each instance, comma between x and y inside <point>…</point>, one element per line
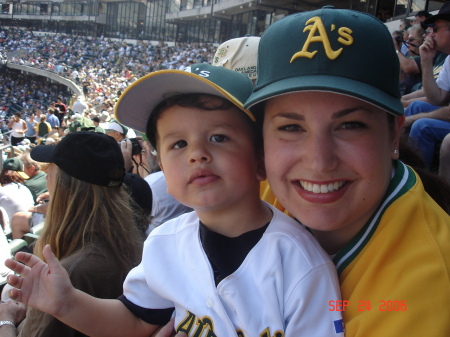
<point>342,305</point>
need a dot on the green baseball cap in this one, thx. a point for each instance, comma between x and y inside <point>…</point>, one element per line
<point>14,164</point>
<point>138,101</point>
<point>334,50</point>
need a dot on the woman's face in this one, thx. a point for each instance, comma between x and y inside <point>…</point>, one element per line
<point>329,159</point>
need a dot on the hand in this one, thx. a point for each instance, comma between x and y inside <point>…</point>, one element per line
<point>409,121</point>
<point>45,287</point>
<point>126,147</point>
<point>427,50</point>
<point>43,196</point>
<point>41,208</point>
<point>12,311</point>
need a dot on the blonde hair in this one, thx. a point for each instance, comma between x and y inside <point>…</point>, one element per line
<point>82,214</point>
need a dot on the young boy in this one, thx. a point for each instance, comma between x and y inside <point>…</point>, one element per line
<point>227,268</point>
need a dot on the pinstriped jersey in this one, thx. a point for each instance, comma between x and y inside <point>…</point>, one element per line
<point>282,288</point>
<point>395,274</point>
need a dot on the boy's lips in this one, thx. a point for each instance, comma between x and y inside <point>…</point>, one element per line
<point>202,177</point>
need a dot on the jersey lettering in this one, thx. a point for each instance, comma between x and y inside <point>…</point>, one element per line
<point>266,333</point>
<point>204,327</point>
<point>314,26</point>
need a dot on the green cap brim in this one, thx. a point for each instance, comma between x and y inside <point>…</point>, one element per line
<point>328,83</point>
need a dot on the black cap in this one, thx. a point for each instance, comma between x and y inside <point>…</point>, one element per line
<point>443,14</point>
<point>88,156</point>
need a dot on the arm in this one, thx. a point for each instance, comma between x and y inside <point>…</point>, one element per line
<point>47,287</point>
<point>442,114</point>
<point>25,127</point>
<point>14,312</point>
<point>408,65</point>
<point>433,93</point>
<point>168,331</point>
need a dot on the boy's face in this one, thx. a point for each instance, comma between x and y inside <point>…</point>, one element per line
<point>208,157</point>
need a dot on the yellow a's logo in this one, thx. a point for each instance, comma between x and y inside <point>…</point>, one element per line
<point>315,25</point>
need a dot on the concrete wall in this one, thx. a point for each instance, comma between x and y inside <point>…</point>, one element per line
<point>54,77</point>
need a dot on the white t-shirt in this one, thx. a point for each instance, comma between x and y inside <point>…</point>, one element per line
<point>15,198</point>
<point>443,80</point>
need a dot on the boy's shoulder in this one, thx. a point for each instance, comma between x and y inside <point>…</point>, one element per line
<point>176,225</point>
<point>292,235</point>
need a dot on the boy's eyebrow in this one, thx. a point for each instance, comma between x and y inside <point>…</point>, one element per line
<point>220,125</point>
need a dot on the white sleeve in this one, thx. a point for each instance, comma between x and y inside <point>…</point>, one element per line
<point>307,307</point>
<point>137,290</point>
<point>443,80</point>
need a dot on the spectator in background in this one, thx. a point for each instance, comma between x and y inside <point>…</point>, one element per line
<point>403,27</point>
<point>14,195</point>
<point>239,55</point>
<point>62,110</point>
<point>421,16</point>
<point>79,106</point>
<point>36,182</point>
<point>89,225</point>
<point>52,119</point>
<point>18,127</point>
<point>430,123</point>
<point>31,133</point>
<point>409,65</point>
<point>44,127</point>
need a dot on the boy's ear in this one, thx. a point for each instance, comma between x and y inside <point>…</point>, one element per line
<point>260,168</point>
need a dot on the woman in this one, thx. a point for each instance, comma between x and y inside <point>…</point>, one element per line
<point>31,128</point>
<point>332,120</point>
<point>18,127</point>
<point>14,195</point>
<point>89,223</point>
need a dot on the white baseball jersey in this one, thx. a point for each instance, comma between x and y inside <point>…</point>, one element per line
<point>282,288</point>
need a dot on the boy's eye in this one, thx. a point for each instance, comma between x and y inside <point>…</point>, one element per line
<point>218,138</point>
<point>180,144</point>
<point>352,125</point>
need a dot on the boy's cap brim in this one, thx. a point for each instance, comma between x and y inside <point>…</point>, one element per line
<point>137,102</point>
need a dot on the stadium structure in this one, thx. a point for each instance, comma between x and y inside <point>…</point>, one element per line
<point>181,20</point>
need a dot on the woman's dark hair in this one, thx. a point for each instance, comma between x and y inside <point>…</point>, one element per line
<point>9,176</point>
<point>200,101</point>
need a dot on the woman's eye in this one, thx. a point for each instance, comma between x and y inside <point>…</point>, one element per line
<point>352,125</point>
<point>218,138</point>
<point>290,128</point>
<point>179,144</point>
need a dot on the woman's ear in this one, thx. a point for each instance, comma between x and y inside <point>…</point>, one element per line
<point>399,121</point>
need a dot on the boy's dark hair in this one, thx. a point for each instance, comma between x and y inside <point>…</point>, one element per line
<point>200,101</point>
